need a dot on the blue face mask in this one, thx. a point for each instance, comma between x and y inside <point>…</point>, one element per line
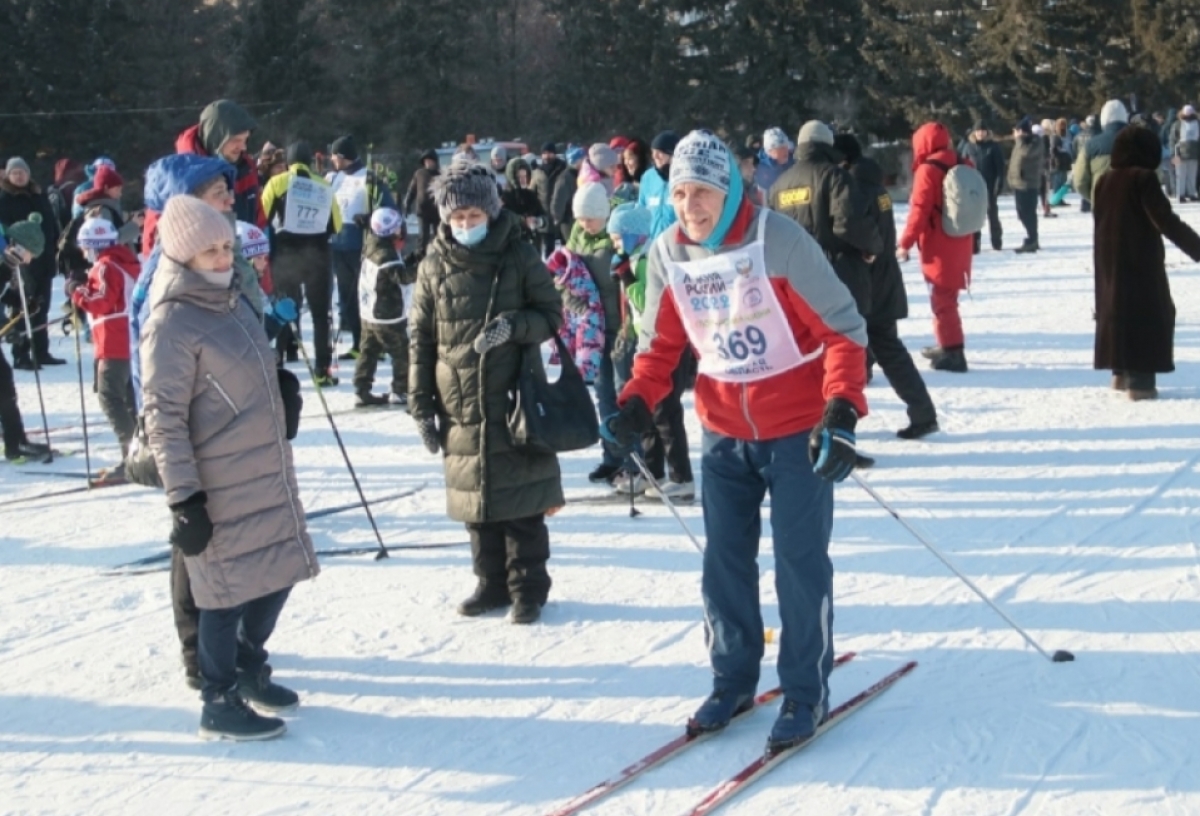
<point>470,236</point>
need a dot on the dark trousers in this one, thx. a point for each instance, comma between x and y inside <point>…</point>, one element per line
<point>737,476</point>
<point>994,229</point>
<point>114,387</point>
<point>234,639</point>
<point>549,239</point>
<point>669,443</point>
<point>510,556</point>
<point>428,230</point>
<point>565,231</point>
<point>43,290</point>
<point>187,616</point>
<point>379,339</point>
<point>885,345</point>
<point>346,266</point>
<point>299,272</point>
<point>10,412</point>
<point>1027,206</point>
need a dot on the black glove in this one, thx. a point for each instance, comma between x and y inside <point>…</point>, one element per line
<point>624,428</point>
<point>494,334</point>
<point>362,220</point>
<point>831,446</point>
<point>428,430</point>
<point>192,529</point>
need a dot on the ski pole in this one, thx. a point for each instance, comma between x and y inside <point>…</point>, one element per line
<point>641,464</point>
<point>7,327</point>
<point>37,377</point>
<point>383,553</point>
<point>1060,656</point>
<point>87,451</point>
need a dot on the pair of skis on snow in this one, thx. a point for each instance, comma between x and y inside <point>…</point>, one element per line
<point>752,772</point>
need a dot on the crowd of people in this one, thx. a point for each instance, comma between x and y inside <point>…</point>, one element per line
<point>766,276</point>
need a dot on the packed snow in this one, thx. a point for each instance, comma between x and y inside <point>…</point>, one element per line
<point>1072,507</point>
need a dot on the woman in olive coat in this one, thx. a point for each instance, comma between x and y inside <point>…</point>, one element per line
<point>483,293</point>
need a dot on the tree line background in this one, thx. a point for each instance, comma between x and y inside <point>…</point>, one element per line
<point>405,75</point>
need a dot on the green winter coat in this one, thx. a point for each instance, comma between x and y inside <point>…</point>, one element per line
<point>457,294</point>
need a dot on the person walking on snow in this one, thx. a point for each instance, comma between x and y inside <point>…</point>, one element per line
<point>982,151</point>
<point>945,261</point>
<point>1025,171</point>
<point>779,393</point>
<point>1185,149</point>
<point>1092,161</point>
<point>418,200</point>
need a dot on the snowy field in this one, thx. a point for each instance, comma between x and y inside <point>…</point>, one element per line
<point>1071,506</point>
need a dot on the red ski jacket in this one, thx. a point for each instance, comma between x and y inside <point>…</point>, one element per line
<point>945,261</point>
<point>106,297</point>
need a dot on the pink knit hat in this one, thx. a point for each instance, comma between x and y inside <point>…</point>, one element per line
<point>188,226</point>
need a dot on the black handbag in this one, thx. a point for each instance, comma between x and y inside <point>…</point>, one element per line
<point>551,417</point>
<point>140,465</point>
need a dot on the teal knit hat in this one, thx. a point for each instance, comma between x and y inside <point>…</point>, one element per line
<point>28,234</point>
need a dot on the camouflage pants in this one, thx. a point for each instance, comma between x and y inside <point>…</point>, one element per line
<point>379,339</point>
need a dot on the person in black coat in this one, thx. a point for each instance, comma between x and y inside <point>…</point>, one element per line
<point>418,200</point>
<point>888,299</point>
<point>520,198</point>
<point>821,196</point>
<point>985,154</point>
<point>1135,316</point>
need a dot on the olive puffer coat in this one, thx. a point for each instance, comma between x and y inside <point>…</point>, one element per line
<point>214,421</point>
<point>459,290</point>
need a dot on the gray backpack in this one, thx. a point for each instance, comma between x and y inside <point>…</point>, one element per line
<point>965,200</point>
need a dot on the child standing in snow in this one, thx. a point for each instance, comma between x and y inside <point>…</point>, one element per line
<point>384,290</point>
<point>583,312</point>
<point>105,297</point>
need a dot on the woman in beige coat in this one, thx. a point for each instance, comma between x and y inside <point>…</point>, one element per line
<point>215,423</point>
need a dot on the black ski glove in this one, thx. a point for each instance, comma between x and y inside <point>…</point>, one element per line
<point>623,428</point>
<point>193,528</point>
<point>428,430</point>
<point>831,446</point>
<point>494,334</point>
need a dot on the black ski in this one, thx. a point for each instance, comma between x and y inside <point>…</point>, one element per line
<point>330,552</point>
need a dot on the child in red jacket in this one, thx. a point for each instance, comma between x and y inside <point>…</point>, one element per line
<point>105,297</point>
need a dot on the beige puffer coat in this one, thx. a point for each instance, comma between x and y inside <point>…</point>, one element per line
<point>214,420</point>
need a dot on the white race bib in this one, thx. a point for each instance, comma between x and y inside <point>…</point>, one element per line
<point>309,203</point>
<point>351,193</point>
<point>733,317</point>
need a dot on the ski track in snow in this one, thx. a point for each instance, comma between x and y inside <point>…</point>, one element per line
<point>1069,505</point>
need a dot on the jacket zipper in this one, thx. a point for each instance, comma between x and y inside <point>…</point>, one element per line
<point>746,411</point>
<point>279,441</point>
<point>225,396</point>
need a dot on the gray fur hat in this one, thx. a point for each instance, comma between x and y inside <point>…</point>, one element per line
<point>466,185</point>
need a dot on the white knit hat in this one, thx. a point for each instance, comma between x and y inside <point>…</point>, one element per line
<point>1114,110</point>
<point>189,226</point>
<point>774,138</point>
<point>591,201</point>
<point>702,158</point>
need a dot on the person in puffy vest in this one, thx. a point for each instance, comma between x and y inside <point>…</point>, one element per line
<point>384,290</point>
<point>106,298</point>
<point>945,261</point>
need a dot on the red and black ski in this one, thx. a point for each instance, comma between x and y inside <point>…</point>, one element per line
<point>660,755</point>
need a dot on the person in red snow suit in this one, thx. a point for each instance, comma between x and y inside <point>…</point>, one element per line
<point>105,297</point>
<point>782,366</point>
<point>945,261</point>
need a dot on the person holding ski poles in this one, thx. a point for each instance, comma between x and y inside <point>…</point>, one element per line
<point>782,352</point>
<point>15,252</point>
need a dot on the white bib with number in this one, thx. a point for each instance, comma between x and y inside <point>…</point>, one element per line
<point>309,203</point>
<point>732,315</point>
<point>351,193</point>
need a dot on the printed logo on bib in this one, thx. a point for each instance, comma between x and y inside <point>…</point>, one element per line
<point>798,195</point>
<point>309,203</point>
<point>733,317</point>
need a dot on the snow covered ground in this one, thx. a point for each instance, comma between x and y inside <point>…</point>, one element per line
<point>1074,508</point>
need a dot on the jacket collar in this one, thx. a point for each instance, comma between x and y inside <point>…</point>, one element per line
<point>174,282</point>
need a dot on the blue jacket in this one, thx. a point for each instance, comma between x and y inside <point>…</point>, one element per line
<point>768,172</point>
<point>654,195</point>
<point>350,238</point>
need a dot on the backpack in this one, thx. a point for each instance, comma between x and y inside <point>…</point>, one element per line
<point>964,200</point>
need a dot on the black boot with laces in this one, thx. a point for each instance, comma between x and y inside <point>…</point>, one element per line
<point>226,716</point>
<point>258,690</point>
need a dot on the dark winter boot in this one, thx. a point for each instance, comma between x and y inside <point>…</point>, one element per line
<point>1120,381</point>
<point>324,379</point>
<point>191,676</point>
<point>28,452</point>
<point>226,716</point>
<point>716,712</point>
<point>604,473</point>
<point>917,430</point>
<point>257,689</point>
<point>1142,386</point>
<point>1027,247</point>
<point>525,611</point>
<point>951,359</point>
<point>366,399</point>
<point>486,598</point>
<point>796,725</point>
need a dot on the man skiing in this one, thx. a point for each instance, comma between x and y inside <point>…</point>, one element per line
<point>779,392</point>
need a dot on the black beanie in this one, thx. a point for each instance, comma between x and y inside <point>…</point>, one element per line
<point>344,147</point>
<point>429,154</point>
<point>299,153</point>
<point>848,146</point>
<point>981,125</point>
<point>549,147</point>
<point>665,141</point>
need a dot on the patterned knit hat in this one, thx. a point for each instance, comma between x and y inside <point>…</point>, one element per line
<point>28,234</point>
<point>702,158</point>
<point>189,226</point>
<point>254,241</point>
<point>466,185</point>
<point>96,233</point>
<point>630,219</point>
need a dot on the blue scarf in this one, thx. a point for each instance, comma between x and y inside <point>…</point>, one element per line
<point>733,200</point>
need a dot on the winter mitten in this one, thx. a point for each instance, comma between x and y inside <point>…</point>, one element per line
<point>192,529</point>
<point>494,334</point>
<point>428,430</point>
<point>285,310</point>
<point>831,446</point>
<point>624,428</point>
